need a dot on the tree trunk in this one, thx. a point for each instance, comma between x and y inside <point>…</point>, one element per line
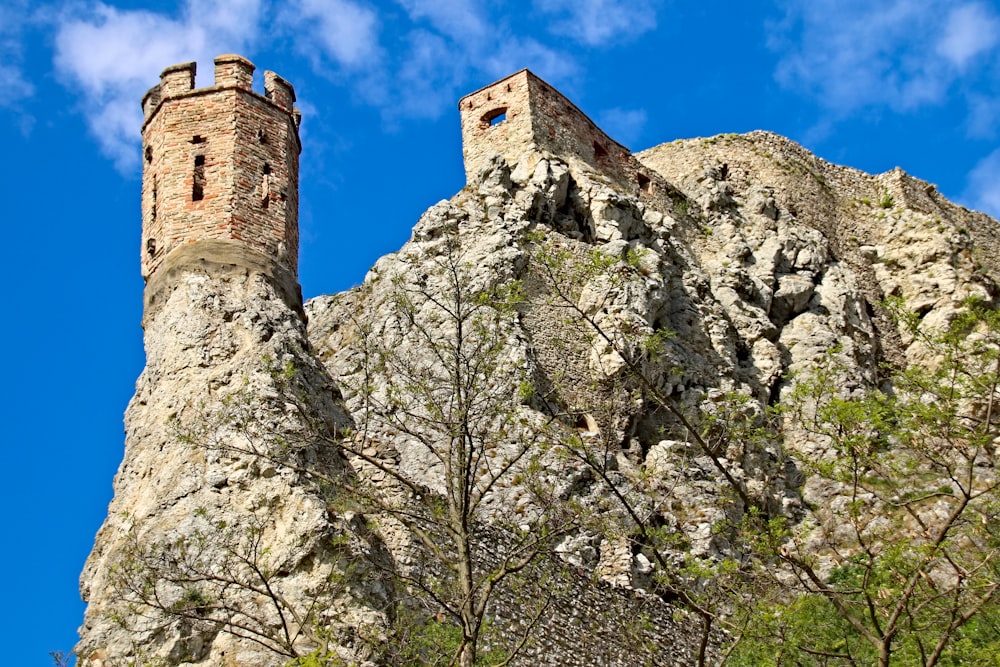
<point>884,654</point>
<point>467,658</point>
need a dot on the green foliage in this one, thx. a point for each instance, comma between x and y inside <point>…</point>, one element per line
<point>910,540</point>
<point>885,199</point>
<point>318,658</point>
<point>434,641</point>
<point>654,345</point>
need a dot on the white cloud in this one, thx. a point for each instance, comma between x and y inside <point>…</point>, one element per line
<point>970,30</point>
<point>851,54</point>
<point>343,31</point>
<point>113,56</point>
<point>462,20</point>
<point>446,49</point>
<point>600,22</point>
<point>623,125</point>
<point>983,189</point>
<point>429,75</point>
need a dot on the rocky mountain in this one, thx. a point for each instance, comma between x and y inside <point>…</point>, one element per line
<point>578,320</point>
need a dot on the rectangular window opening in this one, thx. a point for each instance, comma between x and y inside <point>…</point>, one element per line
<point>645,185</point>
<point>494,117</point>
<point>198,185</point>
<point>265,186</point>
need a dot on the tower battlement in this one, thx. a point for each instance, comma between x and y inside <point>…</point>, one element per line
<point>522,114</point>
<point>220,164</point>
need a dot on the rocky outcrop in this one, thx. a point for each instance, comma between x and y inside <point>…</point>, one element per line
<point>738,263</point>
<point>759,259</point>
<point>217,549</point>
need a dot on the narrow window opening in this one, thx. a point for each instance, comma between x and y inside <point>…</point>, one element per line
<point>151,247</point>
<point>265,186</point>
<point>599,150</point>
<point>470,104</point>
<point>198,186</point>
<point>494,116</point>
<point>645,185</point>
<point>197,139</point>
<point>262,136</point>
<point>152,206</point>
<point>149,155</point>
<point>508,87</point>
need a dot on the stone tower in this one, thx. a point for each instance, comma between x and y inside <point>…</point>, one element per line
<point>523,115</point>
<point>213,502</point>
<point>220,171</point>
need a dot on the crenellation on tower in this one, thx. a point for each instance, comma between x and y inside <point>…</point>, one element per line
<point>177,79</point>
<point>279,91</point>
<point>220,171</point>
<point>233,71</point>
<point>150,101</point>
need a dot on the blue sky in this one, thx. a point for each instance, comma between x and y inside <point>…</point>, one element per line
<point>868,83</point>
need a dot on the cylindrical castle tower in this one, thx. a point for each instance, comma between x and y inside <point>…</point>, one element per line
<point>220,172</point>
<point>233,415</point>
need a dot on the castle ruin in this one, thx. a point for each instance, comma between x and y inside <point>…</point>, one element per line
<point>523,115</point>
<point>220,170</point>
<point>223,311</point>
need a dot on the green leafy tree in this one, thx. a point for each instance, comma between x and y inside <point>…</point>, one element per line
<point>903,566</point>
<point>437,383</point>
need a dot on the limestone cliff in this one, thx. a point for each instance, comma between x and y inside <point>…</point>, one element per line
<point>759,257</point>
<point>247,527</point>
<point>202,507</point>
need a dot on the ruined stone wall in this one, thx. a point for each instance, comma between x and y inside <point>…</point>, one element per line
<point>522,114</point>
<point>220,163</point>
<point>496,119</point>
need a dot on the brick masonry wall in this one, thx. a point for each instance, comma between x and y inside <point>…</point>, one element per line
<point>241,148</point>
<point>539,119</point>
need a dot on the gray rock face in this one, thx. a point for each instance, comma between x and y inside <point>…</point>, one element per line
<point>762,261</point>
<point>205,497</point>
<point>746,260</point>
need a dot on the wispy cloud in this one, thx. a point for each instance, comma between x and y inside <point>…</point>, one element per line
<point>901,54</point>
<point>13,81</point>
<point>970,30</point>
<point>443,47</point>
<point>112,56</point>
<point>461,20</point>
<point>983,189</point>
<point>429,74</point>
<point>334,31</point>
<point>984,116</point>
<point>514,53</point>
<point>600,22</point>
